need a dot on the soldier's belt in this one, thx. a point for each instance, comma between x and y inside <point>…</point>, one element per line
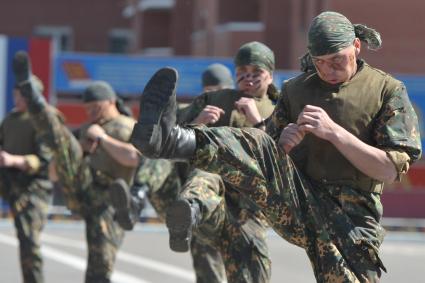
<point>366,185</point>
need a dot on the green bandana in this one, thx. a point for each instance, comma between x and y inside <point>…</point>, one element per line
<point>217,75</point>
<point>97,91</point>
<point>331,32</point>
<point>255,53</point>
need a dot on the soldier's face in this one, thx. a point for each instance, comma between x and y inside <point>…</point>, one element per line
<point>20,102</point>
<point>96,110</point>
<point>253,80</point>
<point>338,67</point>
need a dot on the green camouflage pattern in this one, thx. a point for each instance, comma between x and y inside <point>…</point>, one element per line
<point>104,236</point>
<point>207,262</point>
<point>257,54</point>
<point>29,210</point>
<point>238,235</point>
<point>338,225</point>
<point>227,216</point>
<point>331,32</point>
<point>27,194</point>
<point>163,181</point>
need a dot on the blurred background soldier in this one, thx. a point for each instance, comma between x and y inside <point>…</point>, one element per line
<point>207,207</point>
<point>104,140</point>
<point>160,181</point>
<point>24,182</point>
<point>86,179</point>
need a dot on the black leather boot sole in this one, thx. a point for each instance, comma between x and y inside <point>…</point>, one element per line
<point>157,113</point>
<point>179,221</point>
<point>121,201</point>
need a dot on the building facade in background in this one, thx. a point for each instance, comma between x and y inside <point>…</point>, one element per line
<point>215,27</point>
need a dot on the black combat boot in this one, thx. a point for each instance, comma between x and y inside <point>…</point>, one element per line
<point>128,203</point>
<point>25,83</point>
<point>156,134</point>
<point>182,217</point>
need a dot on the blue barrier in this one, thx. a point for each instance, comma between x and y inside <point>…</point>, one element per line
<point>129,74</point>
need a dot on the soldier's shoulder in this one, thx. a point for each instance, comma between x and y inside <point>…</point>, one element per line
<point>300,80</point>
<point>389,80</point>
<point>16,115</point>
<point>12,114</point>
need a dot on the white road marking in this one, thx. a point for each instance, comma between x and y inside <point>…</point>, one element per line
<point>71,260</point>
<point>126,257</point>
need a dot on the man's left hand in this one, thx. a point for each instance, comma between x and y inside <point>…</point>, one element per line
<point>248,107</point>
<point>315,120</point>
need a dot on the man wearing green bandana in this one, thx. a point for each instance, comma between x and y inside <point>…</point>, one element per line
<point>339,131</point>
<point>87,168</point>
<point>210,209</point>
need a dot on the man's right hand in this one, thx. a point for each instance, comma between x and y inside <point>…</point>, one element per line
<point>209,115</point>
<point>290,137</point>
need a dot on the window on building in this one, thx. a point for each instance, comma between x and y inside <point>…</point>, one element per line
<point>62,35</point>
<point>120,40</point>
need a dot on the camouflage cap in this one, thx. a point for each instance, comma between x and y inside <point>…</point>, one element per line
<point>97,91</point>
<point>255,53</point>
<point>217,75</point>
<point>331,31</point>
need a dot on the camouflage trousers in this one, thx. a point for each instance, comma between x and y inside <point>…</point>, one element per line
<point>337,226</point>
<point>29,209</point>
<point>238,235</point>
<point>104,236</point>
<point>163,181</point>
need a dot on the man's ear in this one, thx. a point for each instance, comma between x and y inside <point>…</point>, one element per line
<point>357,46</point>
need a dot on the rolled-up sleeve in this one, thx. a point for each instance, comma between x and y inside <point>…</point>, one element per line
<point>397,129</point>
<point>33,163</point>
<point>401,161</point>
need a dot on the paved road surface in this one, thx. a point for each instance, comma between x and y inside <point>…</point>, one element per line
<point>145,257</point>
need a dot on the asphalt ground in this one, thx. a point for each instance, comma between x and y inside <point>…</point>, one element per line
<point>145,256</point>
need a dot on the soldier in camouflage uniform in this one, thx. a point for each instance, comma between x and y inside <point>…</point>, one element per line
<point>85,179</point>
<point>160,181</point>
<point>206,258</point>
<point>213,211</point>
<point>339,131</point>
<point>24,183</point>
